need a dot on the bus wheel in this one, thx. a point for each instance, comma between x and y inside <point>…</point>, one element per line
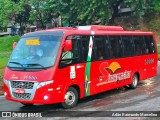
<point>134,82</point>
<point>27,104</point>
<point>70,98</point>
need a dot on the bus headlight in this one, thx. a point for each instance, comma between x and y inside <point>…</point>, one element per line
<point>41,84</point>
<point>6,82</point>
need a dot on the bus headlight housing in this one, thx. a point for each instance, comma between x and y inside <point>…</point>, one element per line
<point>41,84</point>
<point>6,82</point>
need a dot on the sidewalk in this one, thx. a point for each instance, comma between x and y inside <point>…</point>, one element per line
<point>1,87</point>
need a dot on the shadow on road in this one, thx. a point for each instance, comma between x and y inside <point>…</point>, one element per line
<point>82,103</point>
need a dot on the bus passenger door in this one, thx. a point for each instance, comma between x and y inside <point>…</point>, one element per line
<point>71,69</point>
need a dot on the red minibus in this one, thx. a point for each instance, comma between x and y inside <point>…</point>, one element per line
<point>62,65</point>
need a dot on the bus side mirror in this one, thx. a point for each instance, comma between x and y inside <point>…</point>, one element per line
<point>68,45</point>
<point>14,45</point>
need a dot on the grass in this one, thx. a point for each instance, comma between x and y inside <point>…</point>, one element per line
<point>3,62</point>
<point>7,42</point>
<point>6,46</point>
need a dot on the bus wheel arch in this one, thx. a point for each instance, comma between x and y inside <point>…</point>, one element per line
<point>135,79</point>
<point>77,88</point>
<point>71,96</point>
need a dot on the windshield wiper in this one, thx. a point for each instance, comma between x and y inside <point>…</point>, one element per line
<point>17,64</point>
<point>36,65</point>
<point>27,66</point>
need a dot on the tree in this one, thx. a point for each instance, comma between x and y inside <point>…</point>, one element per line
<point>8,11</point>
<point>22,17</point>
<point>74,12</point>
<point>15,11</point>
<point>80,12</point>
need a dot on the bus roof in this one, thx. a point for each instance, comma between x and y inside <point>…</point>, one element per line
<point>92,27</point>
<point>99,29</point>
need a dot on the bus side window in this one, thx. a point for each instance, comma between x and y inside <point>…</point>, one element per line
<point>107,48</point>
<point>84,43</point>
<point>116,47</point>
<point>140,47</point>
<point>150,45</point>
<point>128,46</point>
<point>98,52</point>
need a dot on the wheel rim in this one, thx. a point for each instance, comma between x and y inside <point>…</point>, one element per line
<point>135,81</point>
<point>70,98</point>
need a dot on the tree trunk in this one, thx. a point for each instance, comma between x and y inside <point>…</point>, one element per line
<point>115,11</point>
<point>43,27</point>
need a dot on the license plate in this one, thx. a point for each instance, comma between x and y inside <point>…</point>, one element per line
<point>19,91</point>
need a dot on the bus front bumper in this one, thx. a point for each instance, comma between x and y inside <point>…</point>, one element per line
<point>43,95</point>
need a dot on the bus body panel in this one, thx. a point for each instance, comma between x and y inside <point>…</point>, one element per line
<point>64,77</point>
<point>135,65</point>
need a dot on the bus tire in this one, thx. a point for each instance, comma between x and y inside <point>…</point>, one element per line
<point>134,81</point>
<point>70,98</point>
<point>27,104</point>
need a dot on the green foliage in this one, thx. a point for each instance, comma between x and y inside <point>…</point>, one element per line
<point>79,11</point>
<point>74,12</point>
<point>3,60</point>
<point>14,11</point>
<point>157,6</point>
<point>154,25</point>
<point>8,9</point>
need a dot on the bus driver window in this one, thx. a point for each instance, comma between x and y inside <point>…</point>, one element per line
<point>67,55</point>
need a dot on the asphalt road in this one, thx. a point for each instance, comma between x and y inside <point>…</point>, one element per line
<point>145,98</point>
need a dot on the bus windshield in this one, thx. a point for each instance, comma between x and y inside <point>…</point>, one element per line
<point>35,53</point>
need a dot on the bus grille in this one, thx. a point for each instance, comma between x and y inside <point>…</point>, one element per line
<point>24,96</point>
<point>22,84</point>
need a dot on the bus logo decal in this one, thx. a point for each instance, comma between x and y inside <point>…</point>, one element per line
<point>108,77</point>
<point>113,67</point>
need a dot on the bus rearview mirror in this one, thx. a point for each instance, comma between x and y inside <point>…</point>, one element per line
<point>14,45</point>
<point>68,45</point>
